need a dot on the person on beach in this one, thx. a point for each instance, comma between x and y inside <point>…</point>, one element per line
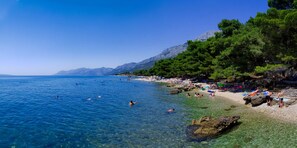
<point>212,94</point>
<point>281,103</point>
<point>131,103</point>
<point>280,94</point>
<point>170,110</point>
<point>253,93</point>
<point>268,97</point>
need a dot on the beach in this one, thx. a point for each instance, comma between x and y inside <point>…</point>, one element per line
<point>287,114</point>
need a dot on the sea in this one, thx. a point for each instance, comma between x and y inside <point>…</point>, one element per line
<point>48,111</point>
<point>91,112</point>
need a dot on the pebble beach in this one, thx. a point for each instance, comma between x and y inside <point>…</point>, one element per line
<point>287,113</point>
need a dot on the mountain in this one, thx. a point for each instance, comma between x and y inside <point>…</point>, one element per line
<point>167,53</point>
<point>207,35</point>
<point>131,67</point>
<point>148,63</point>
<point>123,68</point>
<point>86,72</point>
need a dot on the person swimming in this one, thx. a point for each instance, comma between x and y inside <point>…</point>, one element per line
<point>170,110</point>
<point>131,103</point>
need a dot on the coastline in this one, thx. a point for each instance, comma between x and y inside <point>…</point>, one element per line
<point>286,114</point>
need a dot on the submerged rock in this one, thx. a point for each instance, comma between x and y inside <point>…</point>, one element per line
<point>175,91</point>
<point>207,127</point>
<point>170,85</point>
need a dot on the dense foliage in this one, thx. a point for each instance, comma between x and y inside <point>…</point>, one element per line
<point>265,42</point>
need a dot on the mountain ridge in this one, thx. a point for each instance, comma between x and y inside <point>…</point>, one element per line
<point>133,66</point>
<point>85,72</point>
<point>167,53</point>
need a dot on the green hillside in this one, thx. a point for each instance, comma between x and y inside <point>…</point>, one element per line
<point>266,42</point>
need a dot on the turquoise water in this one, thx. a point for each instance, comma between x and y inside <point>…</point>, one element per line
<point>95,112</point>
<point>88,112</point>
<point>255,129</point>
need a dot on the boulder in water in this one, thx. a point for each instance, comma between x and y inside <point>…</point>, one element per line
<point>208,127</point>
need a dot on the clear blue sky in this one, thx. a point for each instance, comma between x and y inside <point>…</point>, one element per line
<point>40,37</point>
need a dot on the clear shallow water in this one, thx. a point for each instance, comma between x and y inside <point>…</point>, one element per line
<point>255,130</point>
<point>88,112</point>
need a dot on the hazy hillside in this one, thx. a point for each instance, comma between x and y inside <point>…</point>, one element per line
<point>86,72</point>
<point>130,67</point>
<point>167,53</point>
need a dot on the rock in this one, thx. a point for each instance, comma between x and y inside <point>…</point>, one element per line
<point>170,85</point>
<point>255,100</point>
<point>207,127</point>
<point>180,88</point>
<point>189,88</point>
<point>290,92</point>
<point>247,99</point>
<point>291,102</point>
<point>258,100</point>
<point>203,107</point>
<point>175,91</point>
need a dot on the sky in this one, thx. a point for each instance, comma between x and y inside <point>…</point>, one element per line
<point>42,37</point>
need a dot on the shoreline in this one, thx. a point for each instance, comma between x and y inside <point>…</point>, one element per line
<point>286,114</point>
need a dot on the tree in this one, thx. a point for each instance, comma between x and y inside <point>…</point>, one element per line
<point>282,4</point>
<point>267,41</point>
<point>229,26</point>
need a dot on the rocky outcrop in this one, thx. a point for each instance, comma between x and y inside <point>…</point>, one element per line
<point>283,73</point>
<point>289,95</point>
<point>208,127</point>
<point>255,100</point>
<point>170,85</point>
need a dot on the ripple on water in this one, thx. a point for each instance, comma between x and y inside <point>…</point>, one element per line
<point>32,116</point>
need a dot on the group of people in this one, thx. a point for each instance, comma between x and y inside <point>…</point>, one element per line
<point>170,110</point>
<point>269,98</point>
